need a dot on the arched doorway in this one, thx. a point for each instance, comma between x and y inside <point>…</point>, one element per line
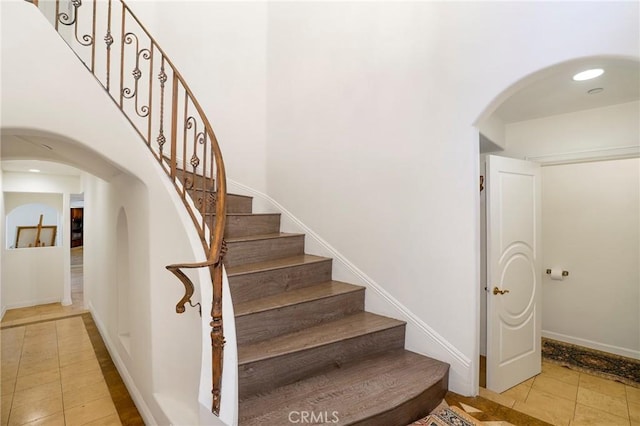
<point>577,132</point>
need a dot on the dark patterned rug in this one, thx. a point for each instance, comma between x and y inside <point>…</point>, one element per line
<point>445,417</point>
<point>615,367</point>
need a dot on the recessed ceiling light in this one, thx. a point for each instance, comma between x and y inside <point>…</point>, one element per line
<point>588,74</point>
<point>595,90</point>
<point>34,170</point>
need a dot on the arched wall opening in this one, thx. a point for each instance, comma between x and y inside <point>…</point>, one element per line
<point>83,128</point>
<point>589,158</point>
<point>28,214</point>
<point>67,168</point>
<point>36,274</point>
<point>123,278</point>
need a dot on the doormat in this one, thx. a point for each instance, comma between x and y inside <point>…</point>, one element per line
<point>610,366</point>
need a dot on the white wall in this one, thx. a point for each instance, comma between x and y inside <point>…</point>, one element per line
<point>370,138</point>
<point>32,276</point>
<point>47,278</point>
<point>600,131</point>
<point>597,133</point>
<point>369,112</point>
<point>43,183</point>
<point>220,49</point>
<point>590,228</point>
<point>493,129</point>
<point>164,361</point>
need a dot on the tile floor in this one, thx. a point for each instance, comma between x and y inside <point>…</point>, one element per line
<point>483,412</point>
<point>561,396</point>
<point>51,375</point>
<point>55,368</point>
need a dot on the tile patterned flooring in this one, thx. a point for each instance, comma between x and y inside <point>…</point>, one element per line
<point>561,396</point>
<point>56,369</point>
<point>51,375</point>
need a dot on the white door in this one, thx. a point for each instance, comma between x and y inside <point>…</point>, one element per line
<point>513,272</point>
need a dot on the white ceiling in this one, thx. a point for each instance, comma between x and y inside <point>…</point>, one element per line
<point>554,92</point>
<point>50,155</point>
<point>46,167</point>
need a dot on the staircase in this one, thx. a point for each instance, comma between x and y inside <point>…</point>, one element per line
<point>307,351</point>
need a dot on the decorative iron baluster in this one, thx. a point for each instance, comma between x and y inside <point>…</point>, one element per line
<point>93,37</point>
<point>209,160</point>
<point>174,125</point>
<point>207,199</point>
<point>122,29</point>
<point>150,95</point>
<point>57,14</point>
<point>161,139</point>
<point>145,54</point>
<point>108,39</point>
<point>65,19</point>
<point>187,180</point>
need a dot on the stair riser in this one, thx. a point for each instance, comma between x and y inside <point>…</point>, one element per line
<point>235,203</point>
<point>261,376</point>
<point>412,409</point>
<point>391,389</point>
<point>255,285</point>
<point>243,226</point>
<point>243,252</point>
<point>265,325</point>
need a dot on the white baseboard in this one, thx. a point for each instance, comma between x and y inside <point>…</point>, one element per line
<point>421,338</point>
<point>143,409</point>
<point>32,302</point>
<point>603,347</point>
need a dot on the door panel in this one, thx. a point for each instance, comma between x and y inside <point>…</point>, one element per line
<point>513,272</point>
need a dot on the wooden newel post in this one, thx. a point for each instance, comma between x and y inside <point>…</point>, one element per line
<point>217,337</point>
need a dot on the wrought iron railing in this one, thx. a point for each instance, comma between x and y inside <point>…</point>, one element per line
<point>158,103</point>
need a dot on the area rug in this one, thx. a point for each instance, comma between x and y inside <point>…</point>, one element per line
<point>610,366</point>
<point>444,417</point>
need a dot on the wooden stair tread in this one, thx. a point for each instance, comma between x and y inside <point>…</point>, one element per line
<point>262,237</point>
<point>294,297</point>
<point>274,264</point>
<point>322,334</point>
<point>357,391</point>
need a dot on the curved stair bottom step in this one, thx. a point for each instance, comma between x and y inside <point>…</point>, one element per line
<point>391,389</point>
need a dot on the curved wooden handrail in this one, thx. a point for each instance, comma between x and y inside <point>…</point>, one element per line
<point>145,121</point>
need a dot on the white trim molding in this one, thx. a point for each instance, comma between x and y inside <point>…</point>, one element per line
<point>420,337</point>
<point>32,302</point>
<point>141,404</point>
<point>618,153</point>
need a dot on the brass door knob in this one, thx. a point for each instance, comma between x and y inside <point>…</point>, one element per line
<point>496,290</point>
